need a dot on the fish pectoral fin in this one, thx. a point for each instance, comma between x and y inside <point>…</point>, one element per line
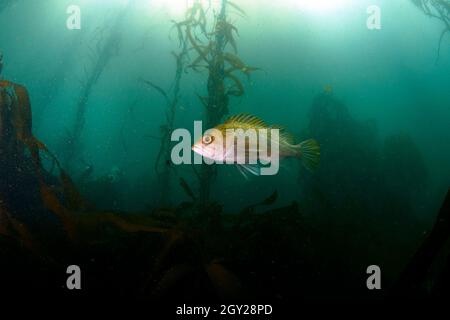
<point>254,169</point>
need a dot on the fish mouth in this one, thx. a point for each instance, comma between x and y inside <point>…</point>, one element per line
<point>197,149</point>
<point>201,151</point>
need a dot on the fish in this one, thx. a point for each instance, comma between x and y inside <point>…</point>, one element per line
<point>328,89</point>
<point>270,199</point>
<point>187,189</point>
<point>216,145</point>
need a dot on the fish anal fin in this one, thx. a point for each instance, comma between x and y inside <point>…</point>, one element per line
<point>250,168</point>
<point>242,171</point>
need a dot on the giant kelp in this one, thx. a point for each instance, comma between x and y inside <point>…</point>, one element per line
<point>438,9</point>
<point>176,249</point>
<point>172,99</point>
<point>26,185</point>
<point>108,39</point>
<point>356,210</point>
<point>53,84</point>
<point>210,46</point>
<point>177,254</point>
<point>197,253</point>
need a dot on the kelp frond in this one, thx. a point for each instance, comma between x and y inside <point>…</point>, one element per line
<point>439,9</point>
<point>203,100</point>
<point>160,90</point>
<point>180,34</point>
<point>233,60</point>
<point>237,89</point>
<point>237,64</point>
<point>205,51</point>
<point>237,8</point>
<point>227,30</point>
<point>197,47</point>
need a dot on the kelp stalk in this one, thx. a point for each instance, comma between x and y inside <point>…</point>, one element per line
<point>217,101</point>
<point>105,50</point>
<point>210,46</point>
<point>162,166</point>
<point>439,9</point>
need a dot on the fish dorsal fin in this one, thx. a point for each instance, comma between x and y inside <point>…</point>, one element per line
<point>284,135</point>
<point>287,137</point>
<point>247,119</point>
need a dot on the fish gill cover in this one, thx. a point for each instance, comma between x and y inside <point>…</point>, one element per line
<point>92,94</point>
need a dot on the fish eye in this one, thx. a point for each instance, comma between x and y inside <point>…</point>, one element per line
<point>207,139</point>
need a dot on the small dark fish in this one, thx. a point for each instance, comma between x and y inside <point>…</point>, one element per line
<point>270,199</point>
<point>187,189</point>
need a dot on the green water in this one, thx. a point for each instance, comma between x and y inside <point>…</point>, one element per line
<point>377,101</point>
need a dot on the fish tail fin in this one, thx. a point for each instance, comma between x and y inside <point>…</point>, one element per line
<point>309,153</point>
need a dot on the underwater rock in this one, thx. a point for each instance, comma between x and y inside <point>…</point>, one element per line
<point>416,276</point>
<point>344,142</point>
<point>364,187</point>
<point>403,165</point>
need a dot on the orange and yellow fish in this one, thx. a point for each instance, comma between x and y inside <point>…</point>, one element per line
<point>268,147</point>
